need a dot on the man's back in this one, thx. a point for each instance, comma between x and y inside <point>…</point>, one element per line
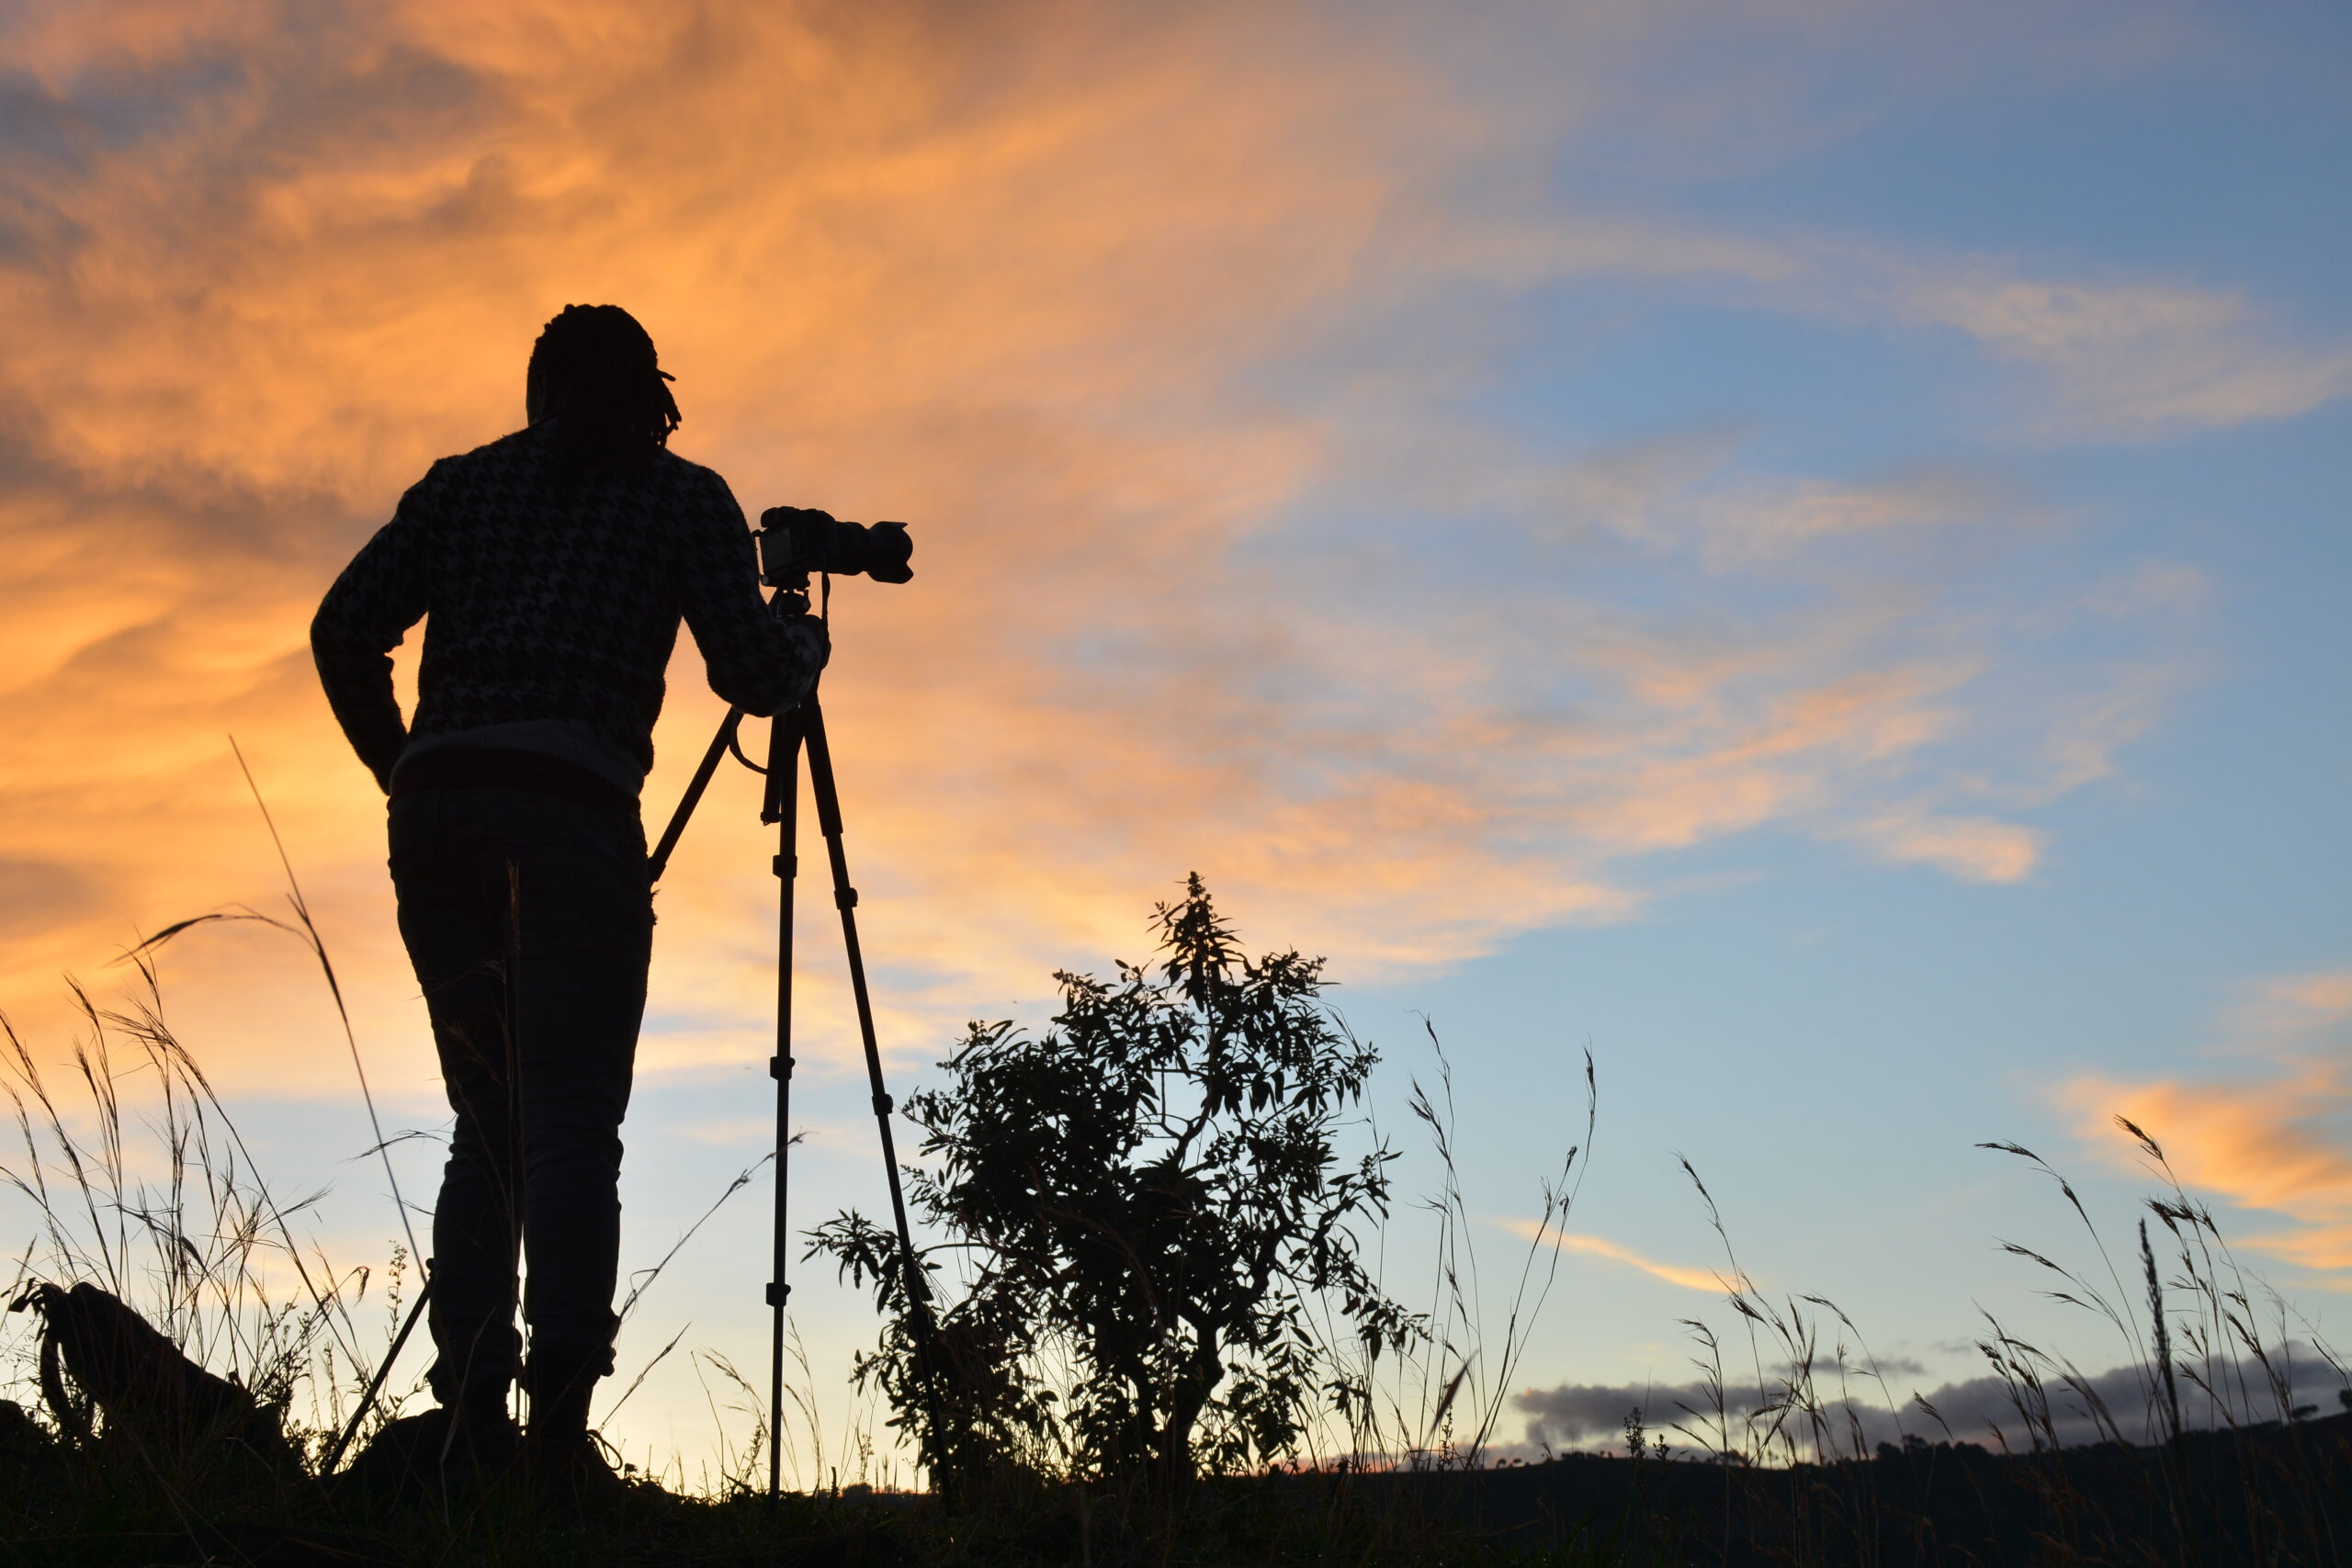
<point>548,603</point>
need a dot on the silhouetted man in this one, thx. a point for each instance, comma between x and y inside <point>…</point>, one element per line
<point>555,565</point>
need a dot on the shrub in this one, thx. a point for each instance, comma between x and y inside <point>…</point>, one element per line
<point>1155,1221</point>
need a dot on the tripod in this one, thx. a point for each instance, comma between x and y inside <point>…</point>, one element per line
<point>791,733</point>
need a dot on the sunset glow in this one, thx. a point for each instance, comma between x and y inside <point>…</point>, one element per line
<point>1799,546</point>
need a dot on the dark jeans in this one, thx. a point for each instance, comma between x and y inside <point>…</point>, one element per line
<point>562,883</point>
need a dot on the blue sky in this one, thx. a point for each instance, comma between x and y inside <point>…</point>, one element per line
<point>1797,547</point>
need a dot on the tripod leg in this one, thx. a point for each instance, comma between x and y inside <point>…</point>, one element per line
<point>829,823</point>
<point>659,861</point>
<point>783,809</point>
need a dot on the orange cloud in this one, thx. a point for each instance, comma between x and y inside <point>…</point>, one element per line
<point>1016,273</point>
<point>2276,1144</point>
<point>1598,1247</point>
<point>1979,849</point>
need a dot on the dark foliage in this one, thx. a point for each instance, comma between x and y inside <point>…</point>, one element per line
<point>1155,1221</point>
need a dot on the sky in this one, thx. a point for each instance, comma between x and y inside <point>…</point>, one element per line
<point>1797,547</point>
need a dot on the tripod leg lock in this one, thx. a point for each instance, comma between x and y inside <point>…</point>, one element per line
<point>777,1294</point>
<point>883,1104</point>
<point>780,1067</point>
<point>845,898</point>
<point>785,865</point>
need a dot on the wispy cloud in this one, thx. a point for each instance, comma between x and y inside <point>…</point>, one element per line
<point>1978,848</point>
<point>1119,311</point>
<point>2133,358</point>
<point>2273,1141</point>
<point>2107,359</point>
<point>1601,1247</point>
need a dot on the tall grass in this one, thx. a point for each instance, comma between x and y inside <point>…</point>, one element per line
<point>1819,1455</point>
<point>142,1184</point>
<point>135,1177</point>
<point>2210,1323</point>
<point>1436,1404</point>
<point>138,1180</point>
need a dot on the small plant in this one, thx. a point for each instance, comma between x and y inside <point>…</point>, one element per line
<point>1156,1220</point>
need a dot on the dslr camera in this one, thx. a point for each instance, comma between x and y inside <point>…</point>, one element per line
<point>797,540</point>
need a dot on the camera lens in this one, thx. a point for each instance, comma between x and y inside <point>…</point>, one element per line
<point>884,550</point>
<point>795,541</point>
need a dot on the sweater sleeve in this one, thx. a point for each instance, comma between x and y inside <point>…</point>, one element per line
<point>380,595</point>
<point>758,663</point>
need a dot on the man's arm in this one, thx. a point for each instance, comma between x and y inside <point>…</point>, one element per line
<point>757,662</point>
<point>380,595</point>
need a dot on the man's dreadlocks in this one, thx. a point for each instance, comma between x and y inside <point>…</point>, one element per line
<point>595,374</point>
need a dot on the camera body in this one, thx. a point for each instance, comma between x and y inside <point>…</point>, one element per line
<point>797,540</point>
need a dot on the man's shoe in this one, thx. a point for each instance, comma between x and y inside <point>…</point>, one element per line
<point>569,1472</point>
<point>434,1454</point>
<point>485,1448</point>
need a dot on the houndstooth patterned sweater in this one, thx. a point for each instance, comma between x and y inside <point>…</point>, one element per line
<point>552,607</point>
